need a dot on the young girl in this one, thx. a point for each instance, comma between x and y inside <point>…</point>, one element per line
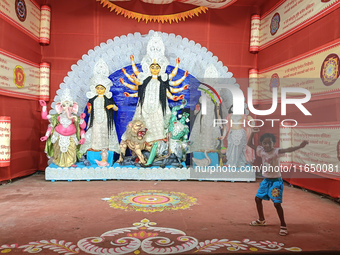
<point>272,185</point>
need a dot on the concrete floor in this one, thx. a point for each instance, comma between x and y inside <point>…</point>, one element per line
<point>62,214</point>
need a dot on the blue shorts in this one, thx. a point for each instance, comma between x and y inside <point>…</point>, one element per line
<point>271,189</point>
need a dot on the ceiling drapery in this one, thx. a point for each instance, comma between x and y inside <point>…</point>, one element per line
<point>215,4</point>
<point>176,17</point>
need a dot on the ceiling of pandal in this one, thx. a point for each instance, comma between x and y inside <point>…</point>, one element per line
<point>180,10</point>
<point>207,3</point>
<point>202,3</point>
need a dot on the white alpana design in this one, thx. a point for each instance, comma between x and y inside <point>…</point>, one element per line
<point>147,237</point>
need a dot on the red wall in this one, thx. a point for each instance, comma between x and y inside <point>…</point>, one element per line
<point>315,35</point>
<point>309,38</point>
<point>25,118</point>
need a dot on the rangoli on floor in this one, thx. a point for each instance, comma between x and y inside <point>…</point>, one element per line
<point>145,237</point>
<point>151,201</point>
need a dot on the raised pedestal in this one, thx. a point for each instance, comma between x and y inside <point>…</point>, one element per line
<point>116,172</point>
<point>130,172</point>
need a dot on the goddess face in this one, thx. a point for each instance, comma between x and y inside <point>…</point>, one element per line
<point>155,69</point>
<point>100,90</point>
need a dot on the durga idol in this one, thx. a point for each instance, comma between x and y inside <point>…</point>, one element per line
<point>153,87</point>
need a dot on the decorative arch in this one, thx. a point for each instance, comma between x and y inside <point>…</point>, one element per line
<point>116,53</point>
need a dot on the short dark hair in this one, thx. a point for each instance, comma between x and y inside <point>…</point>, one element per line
<point>268,135</point>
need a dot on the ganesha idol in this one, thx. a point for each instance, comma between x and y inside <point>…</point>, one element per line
<point>65,131</point>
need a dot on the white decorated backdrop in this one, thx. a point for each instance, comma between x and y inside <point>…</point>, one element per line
<point>116,53</point>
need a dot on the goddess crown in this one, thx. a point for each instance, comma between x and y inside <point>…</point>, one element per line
<point>155,53</point>
<point>66,96</point>
<point>100,77</point>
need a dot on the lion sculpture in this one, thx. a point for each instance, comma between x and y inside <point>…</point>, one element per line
<point>135,141</point>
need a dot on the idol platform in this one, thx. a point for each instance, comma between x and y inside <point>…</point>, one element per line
<point>117,172</point>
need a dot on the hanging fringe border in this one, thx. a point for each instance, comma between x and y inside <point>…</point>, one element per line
<point>155,18</point>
